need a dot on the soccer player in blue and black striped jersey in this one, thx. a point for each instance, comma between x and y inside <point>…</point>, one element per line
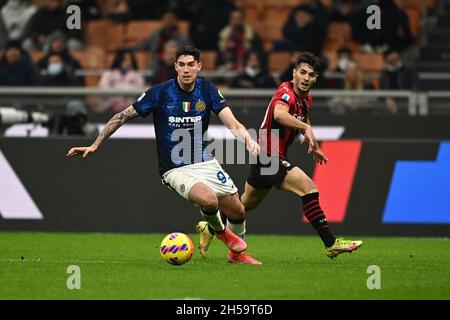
<point>181,110</point>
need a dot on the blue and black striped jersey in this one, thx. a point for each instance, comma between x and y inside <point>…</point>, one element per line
<point>181,120</point>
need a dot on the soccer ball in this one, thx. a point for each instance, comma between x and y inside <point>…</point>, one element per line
<point>176,248</point>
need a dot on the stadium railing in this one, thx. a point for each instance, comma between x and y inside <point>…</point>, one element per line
<point>324,101</point>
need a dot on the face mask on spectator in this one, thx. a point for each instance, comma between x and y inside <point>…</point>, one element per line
<point>54,68</point>
<point>124,70</point>
<point>252,72</point>
<point>343,63</point>
<point>394,67</point>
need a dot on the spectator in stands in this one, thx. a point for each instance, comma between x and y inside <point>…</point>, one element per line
<point>147,10</point>
<point>50,19</point>
<point>163,67</point>
<point>15,17</point>
<point>394,33</point>
<point>123,75</point>
<point>58,45</point>
<point>319,12</point>
<point>169,31</point>
<point>354,79</point>
<point>185,8</point>
<point>235,40</point>
<point>16,68</point>
<point>344,57</point>
<point>342,10</point>
<point>57,73</point>
<point>255,74</point>
<point>396,76</point>
<point>126,10</point>
<point>118,11</point>
<point>304,31</point>
<point>207,21</point>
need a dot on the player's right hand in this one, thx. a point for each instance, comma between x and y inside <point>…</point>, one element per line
<point>308,136</point>
<point>81,151</point>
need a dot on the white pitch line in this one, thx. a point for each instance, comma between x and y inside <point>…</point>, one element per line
<point>71,261</point>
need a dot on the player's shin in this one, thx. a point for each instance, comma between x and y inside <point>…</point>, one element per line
<point>213,219</point>
<point>316,217</point>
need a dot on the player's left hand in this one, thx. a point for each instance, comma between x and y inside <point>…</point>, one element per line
<point>252,146</point>
<point>319,156</point>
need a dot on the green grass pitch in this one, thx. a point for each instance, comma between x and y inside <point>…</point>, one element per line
<point>129,266</point>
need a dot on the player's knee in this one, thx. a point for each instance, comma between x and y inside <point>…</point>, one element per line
<point>209,202</point>
<point>240,212</point>
<point>313,189</point>
<point>310,186</point>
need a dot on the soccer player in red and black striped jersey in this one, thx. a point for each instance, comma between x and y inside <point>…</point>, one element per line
<point>286,116</point>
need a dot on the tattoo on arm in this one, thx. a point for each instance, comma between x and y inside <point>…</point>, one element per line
<point>115,123</point>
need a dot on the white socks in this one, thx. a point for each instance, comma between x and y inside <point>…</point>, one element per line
<point>213,219</point>
<point>237,227</point>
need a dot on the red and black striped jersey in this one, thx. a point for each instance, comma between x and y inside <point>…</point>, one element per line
<point>273,133</point>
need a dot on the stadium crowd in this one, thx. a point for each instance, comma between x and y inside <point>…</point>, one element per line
<point>245,44</point>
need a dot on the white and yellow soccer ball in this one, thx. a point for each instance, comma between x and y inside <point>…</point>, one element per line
<point>176,248</point>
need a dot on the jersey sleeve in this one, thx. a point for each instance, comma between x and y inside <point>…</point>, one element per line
<point>283,96</point>
<point>218,102</point>
<point>148,101</point>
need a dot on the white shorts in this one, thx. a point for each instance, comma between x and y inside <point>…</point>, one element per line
<point>209,173</point>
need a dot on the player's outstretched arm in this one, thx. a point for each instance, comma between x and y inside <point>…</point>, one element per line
<point>113,124</point>
<point>239,130</point>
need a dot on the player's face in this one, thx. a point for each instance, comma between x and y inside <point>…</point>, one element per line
<point>304,77</point>
<point>187,69</point>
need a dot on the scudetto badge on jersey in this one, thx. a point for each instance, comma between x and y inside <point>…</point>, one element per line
<point>285,97</point>
<point>186,106</point>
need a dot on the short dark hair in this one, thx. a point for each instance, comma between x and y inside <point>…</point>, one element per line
<point>305,8</point>
<point>120,56</point>
<point>259,54</point>
<point>309,58</point>
<point>188,51</point>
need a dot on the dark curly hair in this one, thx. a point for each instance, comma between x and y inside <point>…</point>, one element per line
<point>309,58</point>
